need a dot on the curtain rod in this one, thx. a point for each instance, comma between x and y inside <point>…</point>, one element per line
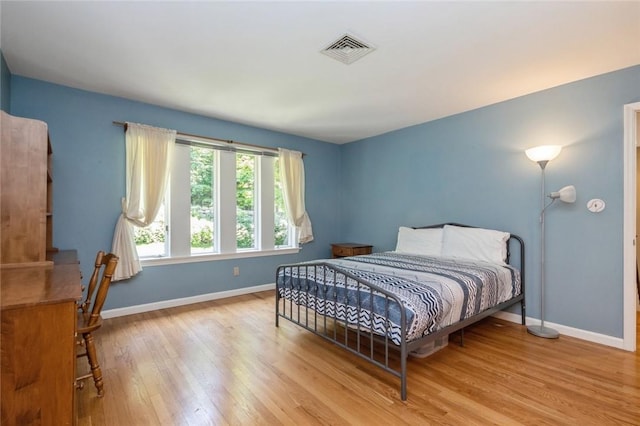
<point>228,141</point>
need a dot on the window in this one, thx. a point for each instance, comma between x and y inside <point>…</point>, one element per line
<point>203,212</point>
<point>218,202</point>
<point>245,201</point>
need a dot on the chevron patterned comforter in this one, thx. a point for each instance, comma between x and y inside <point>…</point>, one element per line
<point>435,292</point>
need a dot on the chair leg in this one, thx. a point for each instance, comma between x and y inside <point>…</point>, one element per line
<point>93,363</point>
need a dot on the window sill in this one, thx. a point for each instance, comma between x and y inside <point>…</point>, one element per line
<point>157,261</point>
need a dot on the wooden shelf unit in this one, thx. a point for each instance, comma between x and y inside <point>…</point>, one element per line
<point>26,219</point>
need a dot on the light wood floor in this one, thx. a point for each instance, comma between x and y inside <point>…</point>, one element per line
<point>225,362</point>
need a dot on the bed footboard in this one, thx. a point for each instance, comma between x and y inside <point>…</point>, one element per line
<point>361,318</point>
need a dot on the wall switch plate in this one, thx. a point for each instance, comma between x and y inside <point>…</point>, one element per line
<point>236,271</point>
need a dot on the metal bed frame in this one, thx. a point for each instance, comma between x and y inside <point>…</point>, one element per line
<point>363,341</point>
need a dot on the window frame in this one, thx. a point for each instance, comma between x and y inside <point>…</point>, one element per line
<point>178,208</point>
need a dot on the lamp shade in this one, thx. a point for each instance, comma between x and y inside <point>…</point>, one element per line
<point>543,152</point>
<point>566,194</point>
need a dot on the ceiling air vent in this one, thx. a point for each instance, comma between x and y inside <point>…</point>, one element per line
<point>347,49</point>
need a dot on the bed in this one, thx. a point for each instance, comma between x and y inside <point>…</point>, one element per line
<point>438,280</point>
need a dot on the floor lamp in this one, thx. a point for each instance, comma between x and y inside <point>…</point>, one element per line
<point>542,155</point>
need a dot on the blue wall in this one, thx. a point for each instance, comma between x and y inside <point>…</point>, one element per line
<point>467,168</point>
<point>5,85</point>
<point>88,173</point>
<point>471,168</point>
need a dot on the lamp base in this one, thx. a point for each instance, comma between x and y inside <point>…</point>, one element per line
<point>542,331</point>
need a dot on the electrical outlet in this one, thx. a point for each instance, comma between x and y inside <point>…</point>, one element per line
<point>236,271</point>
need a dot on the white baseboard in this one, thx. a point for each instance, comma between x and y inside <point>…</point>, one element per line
<point>137,309</point>
<point>616,342</point>
<point>507,316</point>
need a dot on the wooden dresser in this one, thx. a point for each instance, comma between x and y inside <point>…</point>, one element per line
<point>39,286</point>
<point>38,349</point>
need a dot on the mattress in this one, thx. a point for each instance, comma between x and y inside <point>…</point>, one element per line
<point>434,292</point>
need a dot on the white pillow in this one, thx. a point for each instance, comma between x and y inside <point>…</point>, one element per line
<point>424,242</point>
<point>475,244</point>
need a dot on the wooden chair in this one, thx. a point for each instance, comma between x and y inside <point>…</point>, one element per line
<point>89,319</point>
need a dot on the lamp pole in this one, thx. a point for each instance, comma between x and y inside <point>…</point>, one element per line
<point>541,330</point>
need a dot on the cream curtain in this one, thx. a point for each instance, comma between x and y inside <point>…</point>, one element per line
<point>148,166</point>
<point>292,178</point>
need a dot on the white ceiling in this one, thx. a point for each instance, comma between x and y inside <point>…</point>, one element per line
<point>258,63</point>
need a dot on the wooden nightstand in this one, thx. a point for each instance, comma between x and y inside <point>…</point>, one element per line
<point>349,249</point>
